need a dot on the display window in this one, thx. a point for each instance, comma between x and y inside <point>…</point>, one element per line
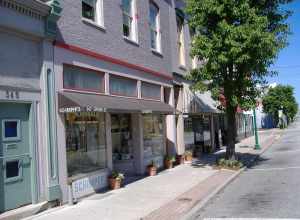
<point>85,142</point>
<point>153,131</point>
<point>121,137</point>
<point>189,135</point>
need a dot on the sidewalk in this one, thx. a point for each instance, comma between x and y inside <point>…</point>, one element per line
<point>169,195</point>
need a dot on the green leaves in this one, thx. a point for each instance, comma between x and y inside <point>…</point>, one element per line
<point>239,41</point>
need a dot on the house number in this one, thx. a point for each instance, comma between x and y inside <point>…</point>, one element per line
<point>12,94</point>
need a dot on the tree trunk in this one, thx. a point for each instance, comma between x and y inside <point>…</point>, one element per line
<point>231,133</point>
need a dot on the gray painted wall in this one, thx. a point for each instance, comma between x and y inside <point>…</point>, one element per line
<point>72,30</point>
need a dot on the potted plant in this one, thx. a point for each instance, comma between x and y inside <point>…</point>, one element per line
<point>152,169</point>
<point>179,159</point>
<point>169,160</point>
<point>115,180</point>
<point>188,155</point>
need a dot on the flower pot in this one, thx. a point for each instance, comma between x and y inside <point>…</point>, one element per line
<point>179,159</point>
<point>152,170</point>
<point>188,158</point>
<point>115,183</point>
<point>168,164</point>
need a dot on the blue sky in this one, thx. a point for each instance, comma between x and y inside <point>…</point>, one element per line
<point>288,62</point>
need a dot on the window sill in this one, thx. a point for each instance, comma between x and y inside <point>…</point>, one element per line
<point>128,40</point>
<point>157,53</point>
<point>93,24</point>
<point>182,67</point>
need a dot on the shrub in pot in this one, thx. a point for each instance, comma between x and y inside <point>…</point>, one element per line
<point>179,159</point>
<point>115,180</point>
<point>152,169</point>
<point>188,155</point>
<point>169,160</point>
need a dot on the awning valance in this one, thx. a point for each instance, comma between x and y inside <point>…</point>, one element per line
<point>79,102</point>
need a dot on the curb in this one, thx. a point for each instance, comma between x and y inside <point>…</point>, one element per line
<point>204,202</point>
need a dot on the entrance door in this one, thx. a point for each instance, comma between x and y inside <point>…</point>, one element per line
<point>15,159</point>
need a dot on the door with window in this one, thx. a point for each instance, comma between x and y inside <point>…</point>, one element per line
<point>15,159</point>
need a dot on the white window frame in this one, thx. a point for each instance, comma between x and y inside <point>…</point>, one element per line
<point>18,137</point>
<point>99,17</point>
<point>133,32</point>
<point>158,30</point>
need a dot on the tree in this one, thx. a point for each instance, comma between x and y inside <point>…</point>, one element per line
<point>238,41</point>
<point>281,97</point>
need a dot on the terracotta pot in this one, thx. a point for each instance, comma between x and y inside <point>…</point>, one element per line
<point>168,164</point>
<point>115,183</point>
<point>152,170</point>
<point>188,158</point>
<point>179,159</point>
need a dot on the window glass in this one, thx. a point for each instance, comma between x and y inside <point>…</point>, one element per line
<point>10,129</point>
<point>180,39</point>
<point>153,135</point>
<point>121,137</point>
<point>83,79</point>
<point>153,20</point>
<point>127,18</point>
<point>150,90</point>
<point>188,133</point>
<point>88,9</point>
<point>85,142</point>
<point>122,86</point>
<point>12,169</point>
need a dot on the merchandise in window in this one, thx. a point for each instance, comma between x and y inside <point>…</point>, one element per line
<point>83,79</point>
<point>153,135</point>
<point>85,142</point>
<point>121,137</point>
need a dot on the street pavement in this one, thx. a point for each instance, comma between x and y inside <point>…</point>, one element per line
<point>270,188</point>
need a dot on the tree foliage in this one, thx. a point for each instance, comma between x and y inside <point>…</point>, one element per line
<point>281,97</point>
<point>238,41</point>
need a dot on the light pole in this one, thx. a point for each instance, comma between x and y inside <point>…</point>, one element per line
<point>257,146</point>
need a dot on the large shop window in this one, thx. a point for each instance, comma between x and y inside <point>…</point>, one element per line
<point>121,137</point>
<point>189,136</point>
<point>153,130</point>
<point>122,86</point>
<point>151,91</point>
<point>85,142</point>
<point>83,79</point>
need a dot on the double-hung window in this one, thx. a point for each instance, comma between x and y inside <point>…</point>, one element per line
<point>154,27</point>
<point>92,10</point>
<point>180,39</point>
<point>129,19</point>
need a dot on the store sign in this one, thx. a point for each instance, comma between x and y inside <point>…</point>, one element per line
<point>89,185</point>
<point>81,109</point>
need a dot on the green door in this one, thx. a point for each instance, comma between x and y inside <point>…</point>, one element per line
<point>15,159</point>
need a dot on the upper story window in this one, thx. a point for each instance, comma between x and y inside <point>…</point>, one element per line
<point>151,91</point>
<point>122,86</point>
<point>180,38</point>
<point>78,78</point>
<point>192,36</point>
<point>129,20</point>
<point>154,27</point>
<point>92,10</point>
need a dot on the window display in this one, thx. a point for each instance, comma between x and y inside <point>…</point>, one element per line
<point>121,137</point>
<point>153,135</point>
<point>85,142</point>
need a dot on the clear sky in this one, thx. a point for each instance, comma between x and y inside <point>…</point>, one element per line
<point>288,62</point>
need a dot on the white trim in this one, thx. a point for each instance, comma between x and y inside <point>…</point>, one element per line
<point>18,137</point>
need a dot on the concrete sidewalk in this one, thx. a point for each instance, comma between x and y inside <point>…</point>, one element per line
<point>169,195</point>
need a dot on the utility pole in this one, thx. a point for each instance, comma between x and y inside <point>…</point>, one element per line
<point>257,146</point>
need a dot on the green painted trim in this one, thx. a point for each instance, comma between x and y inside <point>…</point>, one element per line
<point>52,135</point>
<point>51,20</point>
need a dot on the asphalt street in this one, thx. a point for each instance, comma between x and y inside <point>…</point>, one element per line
<point>270,188</point>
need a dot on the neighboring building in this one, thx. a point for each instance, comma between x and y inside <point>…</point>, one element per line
<point>27,140</point>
